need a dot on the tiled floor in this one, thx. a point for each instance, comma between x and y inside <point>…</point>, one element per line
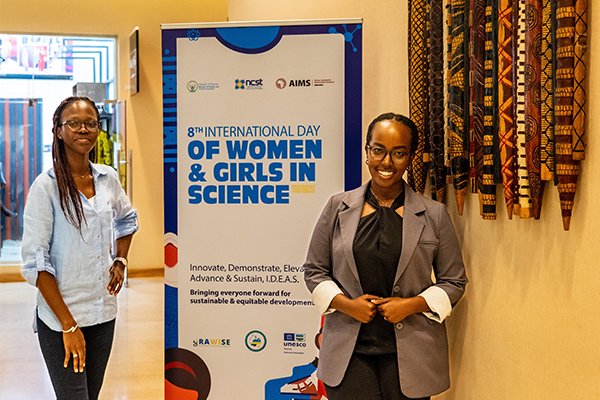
<point>135,369</point>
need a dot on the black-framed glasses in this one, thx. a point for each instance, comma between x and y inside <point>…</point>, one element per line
<point>379,153</point>
<point>75,125</point>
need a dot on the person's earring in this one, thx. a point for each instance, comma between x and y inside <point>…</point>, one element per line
<point>367,161</point>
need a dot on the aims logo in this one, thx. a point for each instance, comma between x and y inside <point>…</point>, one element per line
<point>282,83</point>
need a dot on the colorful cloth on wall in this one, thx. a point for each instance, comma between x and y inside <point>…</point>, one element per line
<point>547,92</point>
<point>579,96</point>
<point>436,100</point>
<point>418,90</point>
<point>447,66</point>
<point>458,102</point>
<point>525,203</point>
<point>567,169</point>
<point>506,120</point>
<point>477,89</point>
<point>533,111</point>
<point>514,103</point>
<point>491,144</point>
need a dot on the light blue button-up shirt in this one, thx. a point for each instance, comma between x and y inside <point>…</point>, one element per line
<point>80,262</point>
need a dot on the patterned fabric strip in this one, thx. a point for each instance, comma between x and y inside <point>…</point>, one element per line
<point>495,150</point>
<point>567,169</point>
<point>547,95</point>
<point>579,96</point>
<point>525,203</point>
<point>477,88</point>
<point>409,175</point>
<point>533,111</point>
<point>491,154</point>
<point>418,87</point>
<point>487,188</point>
<point>436,100</point>
<point>458,131</point>
<point>506,121</point>
<point>447,68</point>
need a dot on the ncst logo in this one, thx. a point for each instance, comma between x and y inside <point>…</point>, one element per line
<point>248,83</point>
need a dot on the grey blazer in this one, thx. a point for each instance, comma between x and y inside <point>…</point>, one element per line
<point>428,241</point>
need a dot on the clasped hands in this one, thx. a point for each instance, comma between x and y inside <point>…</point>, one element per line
<point>392,309</point>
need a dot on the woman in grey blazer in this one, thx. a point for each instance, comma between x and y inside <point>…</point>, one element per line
<point>385,266</point>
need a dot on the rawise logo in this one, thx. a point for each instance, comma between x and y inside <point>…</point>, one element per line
<point>223,342</point>
<point>281,83</point>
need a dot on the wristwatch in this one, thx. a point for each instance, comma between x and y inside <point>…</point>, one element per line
<point>123,260</point>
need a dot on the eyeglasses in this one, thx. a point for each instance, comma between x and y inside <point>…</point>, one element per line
<point>75,125</point>
<point>379,153</point>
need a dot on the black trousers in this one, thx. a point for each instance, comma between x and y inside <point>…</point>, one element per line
<point>369,378</point>
<point>67,384</point>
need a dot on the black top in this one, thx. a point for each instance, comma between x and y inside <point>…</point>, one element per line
<point>377,248</point>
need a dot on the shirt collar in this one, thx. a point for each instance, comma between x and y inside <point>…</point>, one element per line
<point>96,172</point>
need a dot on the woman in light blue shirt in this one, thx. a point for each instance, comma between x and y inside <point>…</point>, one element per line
<point>74,213</point>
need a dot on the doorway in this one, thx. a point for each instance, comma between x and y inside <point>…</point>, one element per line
<point>36,73</point>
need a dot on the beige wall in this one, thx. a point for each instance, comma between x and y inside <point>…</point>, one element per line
<point>528,327</point>
<point>144,110</point>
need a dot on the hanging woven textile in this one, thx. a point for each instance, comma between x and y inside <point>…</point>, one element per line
<point>506,120</point>
<point>567,169</point>
<point>477,88</point>
<point>547,92</point>
<point>418,89</point>
<point>458,102</point>
<point>525,203</point>
<point>533,111</point>
<point>491,156</point>
<point>447,66</point>
<point>436,100</point>
<point>579,96</point>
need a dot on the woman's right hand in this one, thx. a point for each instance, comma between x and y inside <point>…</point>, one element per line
<point>360,308</point>
<point>75,346</point>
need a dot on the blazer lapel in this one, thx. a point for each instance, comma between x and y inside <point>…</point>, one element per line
<point>412,227</point>
<point>349,219</point>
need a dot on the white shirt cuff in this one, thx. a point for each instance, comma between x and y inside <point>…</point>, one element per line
<point>439,303</point>
<point>323,294</point>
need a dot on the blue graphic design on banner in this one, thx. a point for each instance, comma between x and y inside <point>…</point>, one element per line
<point>261,125</point>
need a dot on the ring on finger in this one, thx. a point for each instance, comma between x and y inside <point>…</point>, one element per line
<point>75,355</point>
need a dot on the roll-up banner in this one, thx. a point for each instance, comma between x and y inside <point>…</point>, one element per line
<point>261,125</point>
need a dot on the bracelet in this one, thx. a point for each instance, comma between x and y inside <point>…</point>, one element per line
<point>72,329</point>
<point>123,260</point>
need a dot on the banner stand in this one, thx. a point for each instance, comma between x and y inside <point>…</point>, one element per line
<point>261,125</point>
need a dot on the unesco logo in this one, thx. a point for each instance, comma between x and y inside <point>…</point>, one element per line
<point>256,341</point>
<point>294,340</point>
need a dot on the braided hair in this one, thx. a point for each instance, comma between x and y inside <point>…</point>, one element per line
<point>67,189</point>
<point>414,142</point>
